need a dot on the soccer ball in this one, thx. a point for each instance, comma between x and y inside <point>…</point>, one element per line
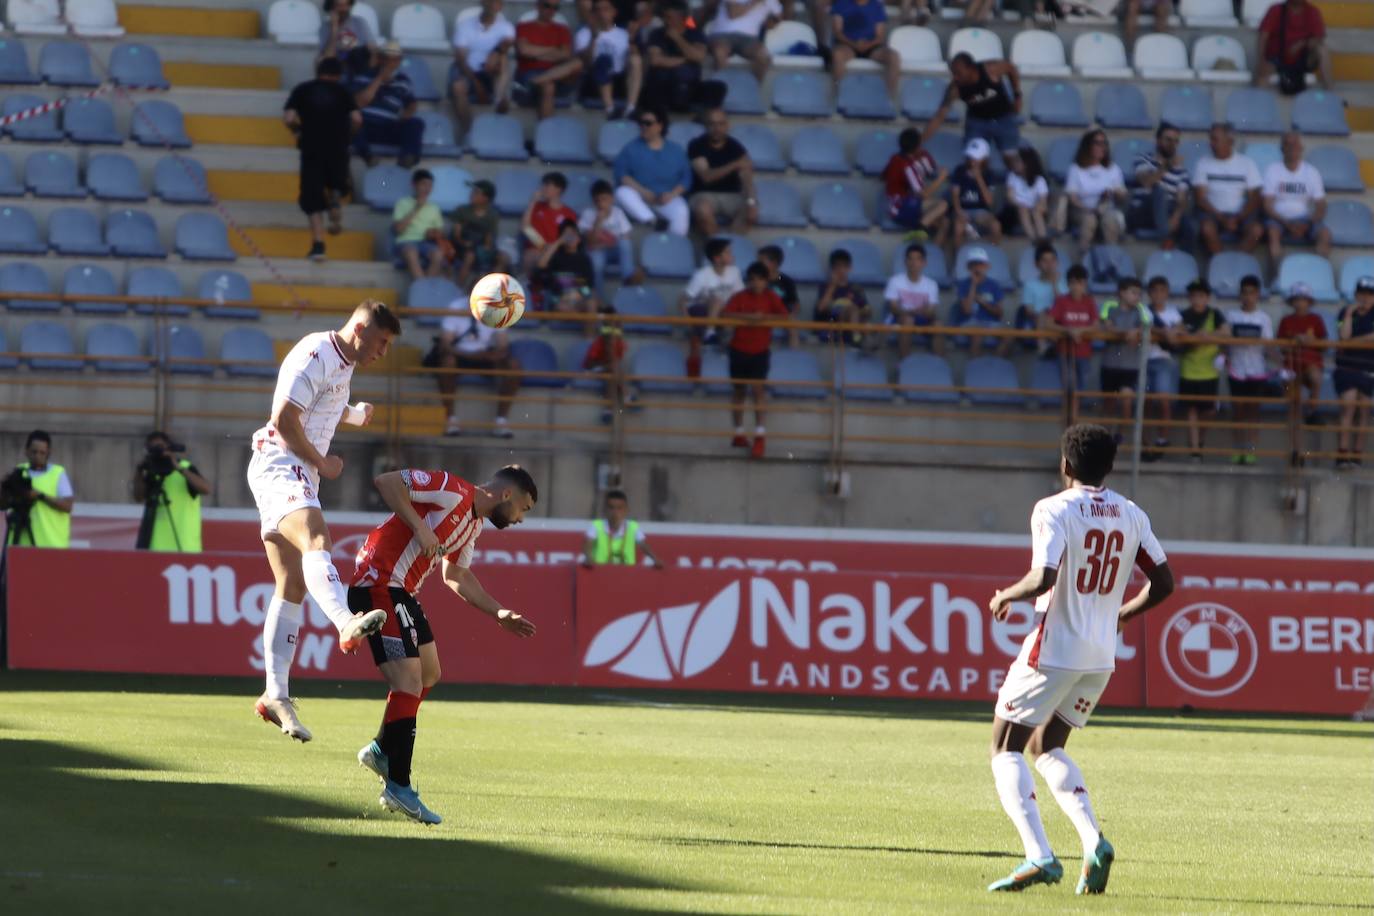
<point>497,300</point>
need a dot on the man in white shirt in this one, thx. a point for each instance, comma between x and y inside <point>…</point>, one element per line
<point>464,343</point>
<point>1294,201</point>
<point>612,67</point>
<point>738,29</point>
<point>912,300</point>
<point>482,67</point>
<point>713,284</point>
<point>1226,187</point>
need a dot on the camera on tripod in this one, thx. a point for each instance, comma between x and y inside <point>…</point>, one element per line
<point>14,500</point>
<point>157,465</point>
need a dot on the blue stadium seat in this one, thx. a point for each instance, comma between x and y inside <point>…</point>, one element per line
<point>1126,150</point>
<point>497,136</point>
<point>664,361</point>
<point>921,371</point>
<point>742,93</point>
<point>745,251</point>
<point>536,355</point>
<point>431,293</point>
<point>1107,265</point>
<point>92,280</point>
<point>1122,106</point>
<point>181,180</point>
<point>1339,168</point>
<point>1352,270</point>
<point>663,254</point>
<point>921,97</point>
<point>14,64</point>
<point>998,267</point>
<point>819,150</point>
<point>22,277</point>
<point>860,372</point>
<point>113,176</point>
<point>116,349</point>
<point>684,132</point>
<point>384,185</point>
<point>440,142</point>
<point>762,145</point>
<point>578,196</point>
<point>155,283</point>
<point>184,351</point>
<point>867,266</point>
<point>1056,103</point>
<point>800,260</point>
<point>39,129</point>
<point>52,175</point>
<point>642,301</point>
<point>224,286</point>
<point>1187,107</point>
<point>796,366</point>
<point>1060,157</point>
<point>1312,269</point>
<point>873,149</point>
<point>992,380</point>
<point>9,182</point>
<point>19,232</point>
<point>514,188</point>
<point>452,187</point>
<point>1178,267</point>
<point>945,148</point>
<point>799,94</point>
<point>75,232</point>
<point>47,346</point>
<point>1317,111</point>
<point>133,234</point>
<point>779,204</point>
<point>936,268</point>
<point>137,65</point>
<point>1047,379</point>
<point>562,138</point>
<point>573,356</point>
<point>203,237</point>
<point>1226,270</point>
<point>864,95</point>
<point>248,352</point>
<point>612,137</point>
<point>1265,155</point>
<point>6,362</point>
<point>66,63</point>
<point>158,123</point>
<point>715,373</point>
<point>91,122</point>
<point>1026,270</point>
<point>421,82</point>
<point>1254,111</point>
<point>1351,223</point>
<point>1192,152</point>
<point>836,205</point>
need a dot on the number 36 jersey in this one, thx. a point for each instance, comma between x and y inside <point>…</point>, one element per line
<point>1093,537</point>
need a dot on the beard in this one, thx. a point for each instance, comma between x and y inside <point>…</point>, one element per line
<point>500,516</point>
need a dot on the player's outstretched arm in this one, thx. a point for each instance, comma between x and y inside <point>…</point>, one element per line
<point>396,495</point>
<point>1032,585</point>
<point>463,582</point>
<point>287,419</point>
<point>1160,585</point>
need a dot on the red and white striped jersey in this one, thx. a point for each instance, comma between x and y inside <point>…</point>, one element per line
<point>391,553</point>
<point>315,376</point>
<point>1092,536</point>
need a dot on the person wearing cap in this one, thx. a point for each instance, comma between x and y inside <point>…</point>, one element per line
<point>388,104</point>
<point>1354,376</point>
<point>475,225</point>
<point>978,302</point>
<point>1094,193</point>
<point>323,115</point>
<point>974,216</point>
<point>1199,375</point>
<point>544,59</point>
<point>1247,367</point>
<point>1294,202</point>
<point>991,93</point>
<point>1304,364</point>
<point>481,68</point>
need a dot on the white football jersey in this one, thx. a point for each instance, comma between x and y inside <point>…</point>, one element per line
<point>315,376</point>
<point>1093,537</point>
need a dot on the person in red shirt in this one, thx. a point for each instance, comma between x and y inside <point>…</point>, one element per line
<point>1305,363</point>
<point>912,182</point>
<point>1292,37</point>
<point>751,351</point>
<point>544,217</point>
<point>544,58</point>
<point>1076,312</point>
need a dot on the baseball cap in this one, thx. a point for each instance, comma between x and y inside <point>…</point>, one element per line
<point>976,256</point>
<point>486,187</point>
<point>977,149</point>
<point>1299,291</point>
<point>1364,285</point>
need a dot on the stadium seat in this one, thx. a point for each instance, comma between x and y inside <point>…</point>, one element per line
<point>992,380</point>
<point>818,150</point>
<point>936,268</point>
<point>998,267</point>
<point>800,260</point>
<point>1101,56</point>
<point>419,27</point>
<point>1254,111</point>
<point>180,180</point>
<point>1312,269</point>
<point>1122,106</point>
<point>659,366</point>
<point>612,137</point>
<point>762,145</point>
<point>642,301</point>
<point>1178,267</point>
<point>9,181</point>
<point>779,203</point>
<point>1339,168</point>
<point>1220,59</point>
<point>6,362</point>
<point>184,349</point>
<point>1317,111</point>
<point>137,66</point>
<point>115,348</point>
<point>294,22</point>
<point>431,293</point>
<point>1039,54</point>
<point>66,63</point>
<point>14,64</point>
<point>133,234</point>
<point>745,251</point>
<point>368,13</point>
<point>864,95</point>
<point>158,123</point>
<point>1265,155</point>
<point>536,355</point>
<point>384,185</point>
<point>113,176</point>
<point>921,97</point>
<point>924,378</point>
<point>452,187</point>
<point>19,232</point>
<point>873,149</point>
<point>867,269</point>
<point>514,187</point>
<point>421,82</point>
<point>497,136</point>
<point>1187,107</point>
<point>1192,152</point>
<point>1026,271</point>
<point>23,277</point>
<point>982,44</point>
<point>224,286</point>
<point>1107,266</point>
<point>947,149</point>
<point>35,17</point>
<point>573,355</point>
<point>1207,14</point>
<point>802,94</point>
<point>743,95</point>
<point>91,122</point>
<point>1055,103</point>
<point>52,175</point>
<point>439,140</point>
<point>836,205</point>
<point>1125,152</point>
<point>1059,158</point>
<point>1047,380</point>
<point>562,139</point>
<point>785,39</point>
<point>919,49</point>
<point>715,373</point>
<point>47,347</point>
<point>1162,58</point>
<point>665,255</point>
<point>92,280</point>
<point>75,232</point>
<point>38,129</point>
<point>801,369</point>
<point>578,197</point>
<point>248,352</point>
<point>1353,269</point>
<point>1252,11</point>
<point>1226,270</point>
<point>857,375</point>
<point>202,237</point>
<point>151,283</point>
<point>94,18</point>
<point>1351,223</point>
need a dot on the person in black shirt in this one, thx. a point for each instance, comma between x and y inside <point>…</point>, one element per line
<point>565,274</point>
<point>991,91</point>
<point>323,115</point>
<point>1354,375</point>
<point>770,256</point>
<point>676,54</point>
<point>723,178</point>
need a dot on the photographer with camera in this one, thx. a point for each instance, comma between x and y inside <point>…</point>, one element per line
<point>170,488</point>
<point>37,498</point>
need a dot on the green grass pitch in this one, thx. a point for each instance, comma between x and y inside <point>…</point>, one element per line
<point>143,795</point>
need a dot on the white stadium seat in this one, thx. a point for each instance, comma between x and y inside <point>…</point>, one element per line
<point>94,18</point>
<point>780,39</point>
<point>419,27</point>
<point>1220,59</point>
<point>1208,14</point>
<point>294,22</point>
<point>919,49</point>
<point>980,43</point>
<point>367,13</point>
<point>1252,12</point>
<point>1100,55</point>
<point>1162,57</point>
<point>1039,53</point>
<point>35,17</point>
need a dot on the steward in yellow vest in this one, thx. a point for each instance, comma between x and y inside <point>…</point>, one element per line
<point>615,539</point>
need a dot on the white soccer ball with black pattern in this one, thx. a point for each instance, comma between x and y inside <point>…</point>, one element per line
<point>497,300</point>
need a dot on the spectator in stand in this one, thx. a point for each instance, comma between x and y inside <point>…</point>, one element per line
<point>1075,313</point>
<point>615,539</point>
<point>1199,377</point>
<point>1248,366</point>
<point>466,344</point>
<point>914,186</point>
<point>677,51</point>
<point>481,70</point>
<point>544,59</point>
<point>1093,193</point>
<point>751,352</point>
<point>840,300</point>
<point>652,176</point>
<point>1130,23</point>
<point>1127,317</point>
<point>544,217</point>
<point>1163,199</point>
<point>706,294</point>
<point>738,29</point>
<point>1304,363</point>
<point>417,225</point>
<point>475,225</point>
<point>1038,294</point>
<point>323,115</point>
<point>858,30</point>
<point>341,32</point>
<point>383,93</point>
<point>564,275</point>
<point>912,299</point>
<point>1226,192</point>
<point>771,257</point>
<point>722,178</point>
<point>606,229</point>
<point>1354,375</point>
<point>974,203</point>
<point>1160,371</point>
<point>1294,202</point>
<point>1028,194</point>
<point>991,93</point>
<point>612,67</point>
<point>606,357</point>
<point>1292,41</point>
<point>978,303</point>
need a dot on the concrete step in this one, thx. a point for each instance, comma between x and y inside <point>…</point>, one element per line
<point>274,187</point>
<point>231,130</point>
<point>1347,14</point>
<point>209,20</point>
<point>222,76</point>
<point>281,242</point>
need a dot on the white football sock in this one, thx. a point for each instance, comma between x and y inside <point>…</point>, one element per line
<point>322,581</point>
<point>1016,789</point>
<point>1065,780</point>
<point>279,631</point>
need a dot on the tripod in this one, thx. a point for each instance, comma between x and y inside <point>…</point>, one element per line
<point>156,500</point>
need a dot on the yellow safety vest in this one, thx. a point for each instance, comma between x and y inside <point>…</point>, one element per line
<point>618,550</point>
<point>176,526</point>
<point>50,528</point>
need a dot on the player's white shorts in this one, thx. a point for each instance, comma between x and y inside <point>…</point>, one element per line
<point>1029,696</point>
<point>281,484</point>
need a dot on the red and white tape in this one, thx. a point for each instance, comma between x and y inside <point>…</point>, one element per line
<point>39,110</point>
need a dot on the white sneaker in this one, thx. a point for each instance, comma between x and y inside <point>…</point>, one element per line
<point>359,628</point>
<point>282,713</point>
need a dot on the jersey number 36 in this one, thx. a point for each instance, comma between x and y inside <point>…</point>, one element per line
<point>1103,552</point>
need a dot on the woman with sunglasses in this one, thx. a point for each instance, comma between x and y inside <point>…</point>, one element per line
<point>652,176</point>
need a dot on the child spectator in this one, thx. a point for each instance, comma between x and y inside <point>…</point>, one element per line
<point>973,200</point>
<point>912,298</point>
<point>771,257</point>
<point>751,352</point>
<point>563,274</point>
<point>418,227</point>
<point>1354,375</point>
<point>1038,295</point>
<point>1075,312</point>
<point>840,300</point>
<point>1305,363</point>
<point>1248,367</point>
<point>606,357</point>
<point>706,294</point>
<point>475,225</point>
<point>1160,371</point>
<point>1127,316</point>
<point>544,217</point>
<point>1029,193</point>
<point>913,182</point>
<point>1199,377</point>
<point>606,229</point>
<point>978,302</point>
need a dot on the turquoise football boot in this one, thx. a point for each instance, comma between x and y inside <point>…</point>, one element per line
<point>1031,871</point>
<point>1096,868</point>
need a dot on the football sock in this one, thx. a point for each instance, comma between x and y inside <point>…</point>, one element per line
<point>279,631</point>
<point>1016,789</point>
<point>381,732</point>
<point>398,734</point>
<point>1065,780</point>
<point>322,580</point>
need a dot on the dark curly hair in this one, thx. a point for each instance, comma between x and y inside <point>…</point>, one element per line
<point>1090,451</point>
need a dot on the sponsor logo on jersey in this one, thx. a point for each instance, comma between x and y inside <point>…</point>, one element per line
<point>420,478</point>
<point>1209,650</point>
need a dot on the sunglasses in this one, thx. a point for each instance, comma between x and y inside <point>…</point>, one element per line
<point>647,122</point>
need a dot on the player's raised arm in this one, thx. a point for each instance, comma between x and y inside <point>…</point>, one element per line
<point>286,417</point>
<point>463,582</point>
<point>396,494</point>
